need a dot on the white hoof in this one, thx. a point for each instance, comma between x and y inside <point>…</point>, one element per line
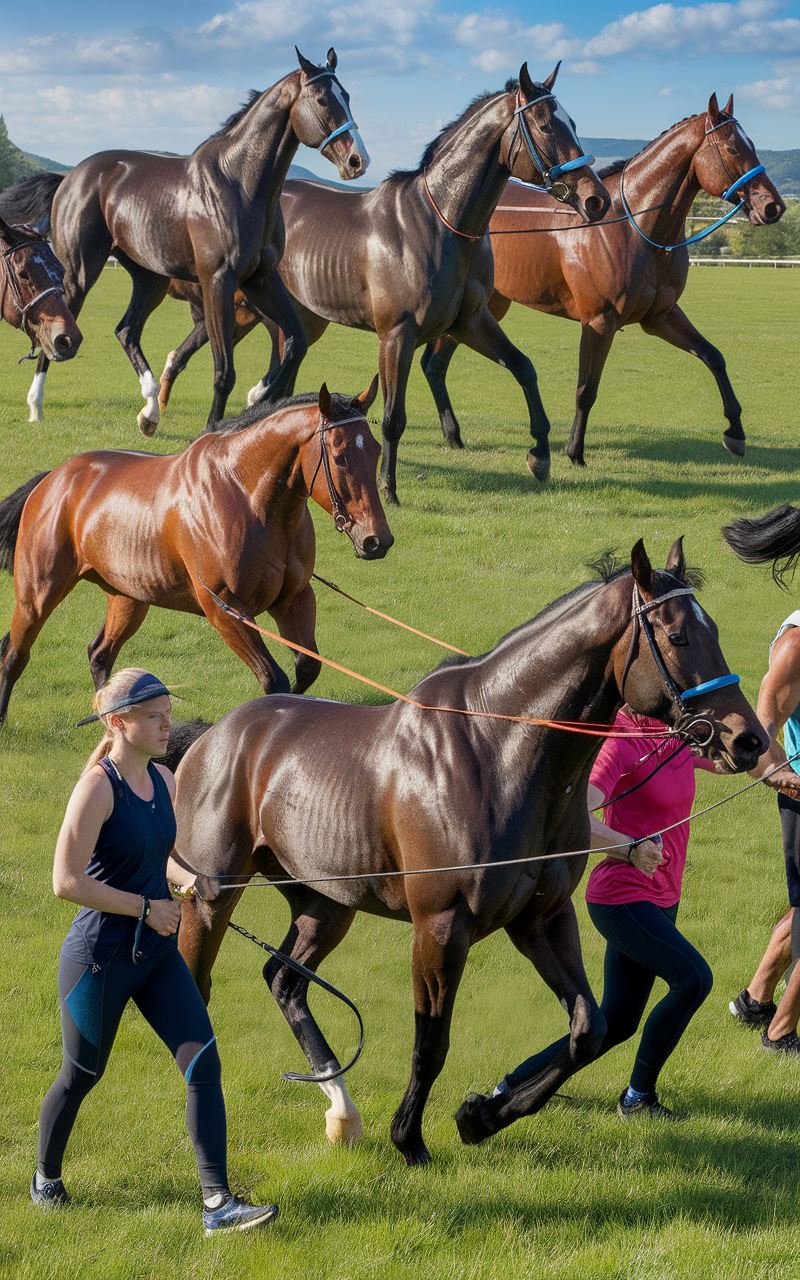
<point>35,414</point>
<point>343,1131</point>
<point>256,393</point>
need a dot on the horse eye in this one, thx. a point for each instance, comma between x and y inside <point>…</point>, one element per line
<point>731,151</point>
<point>23,275</point>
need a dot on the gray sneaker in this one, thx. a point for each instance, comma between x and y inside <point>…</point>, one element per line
<point>649,1107</point>
<point>237,1215</point>
<point>52,1194</point>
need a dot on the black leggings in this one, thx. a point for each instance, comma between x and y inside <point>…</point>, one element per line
<point>643,944</point>
<point>92,999</point>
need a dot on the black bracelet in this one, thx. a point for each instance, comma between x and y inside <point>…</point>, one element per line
<point>634,844</point>
<point>137,953</point>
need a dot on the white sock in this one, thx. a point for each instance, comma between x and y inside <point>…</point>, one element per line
<point>500,1089</point>
<point>41,1181</point>
<point>216,1200</point>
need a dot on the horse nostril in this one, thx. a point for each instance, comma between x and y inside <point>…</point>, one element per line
<point>354,162</point>
<point>771,212</point>
<point>372,543</point>
<point>595,206</point>
<point>750,743</point>
<point>61,344</point>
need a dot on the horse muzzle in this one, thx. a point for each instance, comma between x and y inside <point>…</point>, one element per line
<point>372,546</point>
<point>58,342</point>
<point>355,158</point>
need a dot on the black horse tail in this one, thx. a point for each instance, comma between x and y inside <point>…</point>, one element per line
<point>10,516</point>
<point>31,200</point>
<point>774,536</point>
<point>181,737</point>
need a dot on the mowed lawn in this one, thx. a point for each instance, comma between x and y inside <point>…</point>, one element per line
<point>479,548</point>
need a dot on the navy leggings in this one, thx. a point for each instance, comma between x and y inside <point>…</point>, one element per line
<point>92,999</point>
<point>643,944</point>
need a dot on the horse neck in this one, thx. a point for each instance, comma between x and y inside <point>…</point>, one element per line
<point>465,177</point>
<point>663,174</point>
<point>257,151</point>
<point>267,458</point>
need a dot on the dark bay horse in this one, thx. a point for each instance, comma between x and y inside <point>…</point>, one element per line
<point>211,218</point>
<point>409,259</point>
<point>32,292</point>
<point>304,788</point>
<point>609,276</point>
<point>230,513</point>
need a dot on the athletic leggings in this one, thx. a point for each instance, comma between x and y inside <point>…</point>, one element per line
<point>92,998</point>
<point>643,944</point>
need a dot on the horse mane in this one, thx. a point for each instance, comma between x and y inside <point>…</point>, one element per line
<point>433,148</point>
<point>227,125</point>
<point>342,405</point>
<point>617,166</point>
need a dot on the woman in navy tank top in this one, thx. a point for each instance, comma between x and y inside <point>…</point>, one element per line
<point>113,859</point>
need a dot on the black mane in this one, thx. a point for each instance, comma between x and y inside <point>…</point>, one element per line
<point>247,105</point>
<point>342,405</point>
<point>617,166</point>
<point>432,149</point>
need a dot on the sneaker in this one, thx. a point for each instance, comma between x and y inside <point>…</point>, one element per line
<point>237,1215</point>
<point>52,1194</point>
<point>752,1013</point>
<point>650,1107</point>
<point>790,1043</point>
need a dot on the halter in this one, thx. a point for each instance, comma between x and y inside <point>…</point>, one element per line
<point>343,128</point>
<point>728,194</point>
<point>12,283</point>
<point>686,721</point>
<point>341,519</point>
<point>550,172</point>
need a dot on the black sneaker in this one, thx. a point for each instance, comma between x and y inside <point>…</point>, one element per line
<point>649,1107</point>
<point>752,1013</point>
<point>790,1043</point>
<point>52,1194</point>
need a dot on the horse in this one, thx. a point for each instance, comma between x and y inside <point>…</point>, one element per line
<point>353,803</point>
<point>227,516</point>
<point>629,269</point>
<point>211,217</point>
<point>32,292</point>
<point>409,259</point>
<point>773,537</point>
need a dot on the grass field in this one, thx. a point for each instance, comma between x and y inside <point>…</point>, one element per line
<point>478,548</point>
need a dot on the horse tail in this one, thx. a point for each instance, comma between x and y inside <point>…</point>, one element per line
<point>31,201</point>
<point>181,737</point>
<point>774,536</point>
<point>10,516</point>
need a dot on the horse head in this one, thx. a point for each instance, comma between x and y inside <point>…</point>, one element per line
<point>340,463</point>
<point>726,165</point>
<point>32,297</point>
<point>321,117</point>
<point>669,664</point>
<point>541,146</point>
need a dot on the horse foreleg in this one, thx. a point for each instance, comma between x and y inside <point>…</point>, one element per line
<point>396,354</point>
<point>296,622</point>
<point>318,926</point>
<point>595,346</point>
<point>484,335</point>
<point>149,291</point>
<point>676,327</point>
<point>123,619</point>
<point>435,362</point>
<point>245,643</point>
<point>553,945</point>
<point>202,930</point>
<point>218,309</point>
<point>271,300</point>
<point>31,611</point>
<point>35,397</point>
<point>440,952</point>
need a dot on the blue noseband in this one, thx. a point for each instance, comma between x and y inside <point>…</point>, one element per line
<point>721,682</point>
<point>550,173</point>
<point>343,128</point>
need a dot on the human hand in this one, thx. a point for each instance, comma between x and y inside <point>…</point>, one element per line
<point>165,916</point>
<point>646,856</point>
<point>784,780</point>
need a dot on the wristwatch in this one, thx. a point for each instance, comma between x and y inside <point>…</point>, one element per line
<point>145,911</point>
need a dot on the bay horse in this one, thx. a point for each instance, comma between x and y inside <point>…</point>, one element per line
<point>32,292</point>
<point>309,789</point>
<point>409,259</point>
<point>211,218</point>
<point>228,515</point>
<point>620,271</point>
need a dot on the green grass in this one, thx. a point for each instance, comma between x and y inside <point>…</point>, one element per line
<point>478,548</point>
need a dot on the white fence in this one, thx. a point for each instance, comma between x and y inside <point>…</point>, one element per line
<point>745,262</point>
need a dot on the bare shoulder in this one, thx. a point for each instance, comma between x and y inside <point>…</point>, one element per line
<point>93,792</point>
<point>785,655</point>
<point>168,776</point>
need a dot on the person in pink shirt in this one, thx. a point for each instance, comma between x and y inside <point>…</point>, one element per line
<point>644,785</point>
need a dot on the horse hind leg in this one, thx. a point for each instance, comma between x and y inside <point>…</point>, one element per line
<point>594,349</point>
<point>27,620</point>
<point>149,291</point>
<point>318,926</point>
<point>123,619</point>
<point>435,361</point>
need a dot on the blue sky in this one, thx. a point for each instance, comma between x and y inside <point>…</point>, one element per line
<point>162,76</point>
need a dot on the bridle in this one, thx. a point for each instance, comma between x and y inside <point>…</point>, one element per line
<point>550,172</point>
<point>686,722</point>
<point>730,192</point>
<point>11,283</point>
<point>342,128</point>
<point>341,519</point>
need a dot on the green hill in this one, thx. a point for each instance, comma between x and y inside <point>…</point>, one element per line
<point>16,164</point>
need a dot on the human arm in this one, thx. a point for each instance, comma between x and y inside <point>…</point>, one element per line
<point>645,855</point>
<point>778,697</point>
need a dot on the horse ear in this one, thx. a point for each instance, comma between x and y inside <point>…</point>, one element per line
<point>713,109</point>
<point>332,59</point>
<point>728,108</point>
<point>325,405</point>
<point>551,79</point>
<point>305,65</point>
<point>676,562</point>
<point>365,400</point>
<point>641,567</point>
<point>526,84</point>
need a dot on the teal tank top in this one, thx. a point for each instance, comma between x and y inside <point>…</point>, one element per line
<point>791,730</point>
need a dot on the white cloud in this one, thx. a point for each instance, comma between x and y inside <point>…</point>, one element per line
<point>782,94</point>
<point>664,93</point>
<point>730,28</point>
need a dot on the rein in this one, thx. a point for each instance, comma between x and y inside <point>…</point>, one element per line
<point>12,285</point>
<point>341,519</point>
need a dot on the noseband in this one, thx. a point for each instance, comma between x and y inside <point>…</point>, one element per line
<point>343,128</point>
<point>341,519</point>
<point>550,172</point>
<point>686,722</point>
<point>11,283</point>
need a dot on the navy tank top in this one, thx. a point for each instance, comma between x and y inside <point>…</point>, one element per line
<point>131,854</point>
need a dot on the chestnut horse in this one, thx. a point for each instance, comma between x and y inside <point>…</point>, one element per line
<point>612,274</point>
<point>32,292</point>
<point>228,515</point>
<point>212,218</point>
<point>409,259</point>
<point>319,790</point>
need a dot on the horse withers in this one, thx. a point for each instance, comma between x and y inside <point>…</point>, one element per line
<point>228,516</point>
<point>320,792</point>
<point>32,292</point>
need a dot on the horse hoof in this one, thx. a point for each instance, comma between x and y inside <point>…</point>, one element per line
<point>343,1131</point>
<point>471,1122</point>
<point>538,467</point>
<point>391,498</point>
<point>35,415</point>
<point>734,445</point>
<point>417,1157</point>
<point>146,425</point>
